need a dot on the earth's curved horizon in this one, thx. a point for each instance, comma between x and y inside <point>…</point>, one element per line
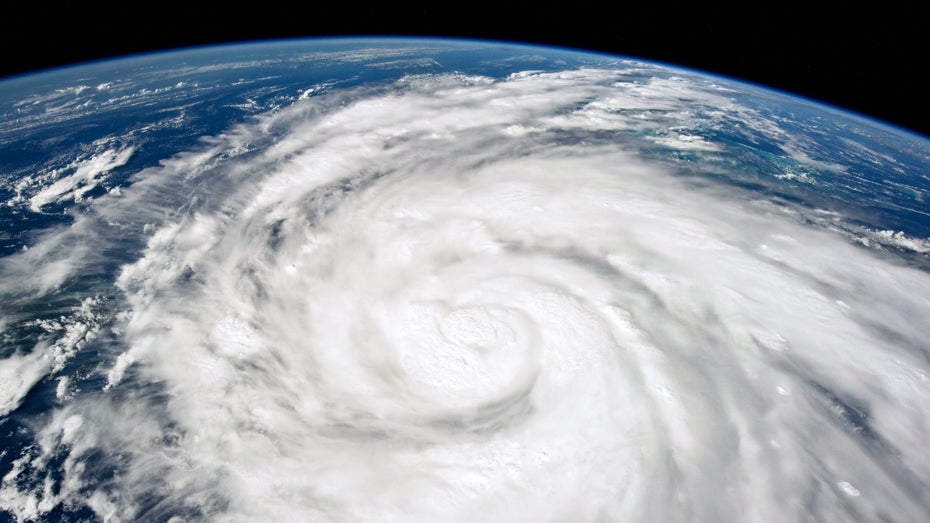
<point>427,279</point>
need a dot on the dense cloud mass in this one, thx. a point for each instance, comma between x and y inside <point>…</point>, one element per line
<point>455,298</point>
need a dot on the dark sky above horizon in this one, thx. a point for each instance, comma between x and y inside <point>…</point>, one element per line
<point>868,61</point>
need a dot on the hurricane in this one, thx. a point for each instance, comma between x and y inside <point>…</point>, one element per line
<point>454,296</point>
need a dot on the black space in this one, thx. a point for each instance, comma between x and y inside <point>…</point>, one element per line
<point>869,60</point>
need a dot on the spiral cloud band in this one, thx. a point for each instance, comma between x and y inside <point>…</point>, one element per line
<point>454,297</point>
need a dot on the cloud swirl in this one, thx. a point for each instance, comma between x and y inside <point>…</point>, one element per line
<point>456,297</point>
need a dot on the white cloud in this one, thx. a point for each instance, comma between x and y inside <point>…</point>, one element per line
<point>18,374</point>
<point>422,303</point>
<point>86,176</point>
